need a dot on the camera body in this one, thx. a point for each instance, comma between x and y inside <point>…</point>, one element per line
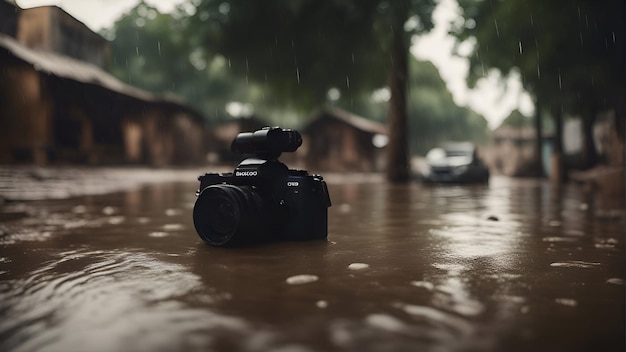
<point>262,200</point>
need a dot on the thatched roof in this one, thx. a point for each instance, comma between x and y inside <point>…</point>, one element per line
<point>358,122</point>
<point>65,67</point>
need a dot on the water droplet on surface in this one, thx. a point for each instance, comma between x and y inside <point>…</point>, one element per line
<point>321,304</point>
<point>345,208</point>
<point>301,279</point>
<point>173,212</point>
<point>158,234</point>
<point>108,210</point>
<point>358,266</point>
<point>116,220</point>
<point>173,227</point>
<point>143,220</point>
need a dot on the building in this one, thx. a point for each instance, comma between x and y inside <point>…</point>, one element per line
<point>49,28</point>
<point>336,140</point>
<point>513,151</point>
<point>9,14</point>
<point>58,105</point>
<point>222,135</point>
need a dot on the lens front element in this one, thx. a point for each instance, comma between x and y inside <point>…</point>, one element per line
<point>223,212</point>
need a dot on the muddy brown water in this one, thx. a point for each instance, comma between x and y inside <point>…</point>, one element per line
<point>513,265</point>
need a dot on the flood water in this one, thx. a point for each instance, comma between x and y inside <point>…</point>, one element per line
<point>513,265</point>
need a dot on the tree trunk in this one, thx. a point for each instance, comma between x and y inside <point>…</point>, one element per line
<point>558,163</point>
<point>620,118</point>
<point>590,152</point>
<point>397,149</point>
<point>539,141</point>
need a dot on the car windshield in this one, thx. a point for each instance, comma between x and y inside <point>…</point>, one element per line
<point>457,152</point>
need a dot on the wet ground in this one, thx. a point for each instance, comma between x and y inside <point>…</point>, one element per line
<point>515,265</point>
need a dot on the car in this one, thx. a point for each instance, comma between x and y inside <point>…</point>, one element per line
<point>455,163</point>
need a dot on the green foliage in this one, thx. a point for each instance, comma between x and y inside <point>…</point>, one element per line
<point>434,117</point>
<point>283,57</point>
<point>159,53</point>
<point>301,49</point>
<point>144,47</point>
<point>570,53</point>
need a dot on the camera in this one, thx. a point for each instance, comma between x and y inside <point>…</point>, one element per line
<point>262,200</point>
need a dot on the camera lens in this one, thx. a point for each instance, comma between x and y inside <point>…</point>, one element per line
<point>223,214</point>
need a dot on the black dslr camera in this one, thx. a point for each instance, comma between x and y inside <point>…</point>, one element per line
<point>262,200</point>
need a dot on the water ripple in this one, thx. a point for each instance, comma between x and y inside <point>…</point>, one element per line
<point>86,294</point>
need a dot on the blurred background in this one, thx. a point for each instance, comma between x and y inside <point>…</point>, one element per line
<point>98,98</point>
<point>537,89</point>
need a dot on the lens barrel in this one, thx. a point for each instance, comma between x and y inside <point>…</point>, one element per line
<point>224,214</point>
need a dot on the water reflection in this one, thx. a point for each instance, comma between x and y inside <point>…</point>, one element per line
<point>512,265</point>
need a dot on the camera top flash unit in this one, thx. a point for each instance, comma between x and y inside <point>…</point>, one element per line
<point>267,143</point>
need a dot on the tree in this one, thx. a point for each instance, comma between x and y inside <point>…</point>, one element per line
<point>302,49</point>
<point>570,54</point>
<point>434,117</point>
<point>159,53</point>
<point>145,52</point>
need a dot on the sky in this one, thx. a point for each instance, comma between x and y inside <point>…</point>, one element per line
<point>492,97</point>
